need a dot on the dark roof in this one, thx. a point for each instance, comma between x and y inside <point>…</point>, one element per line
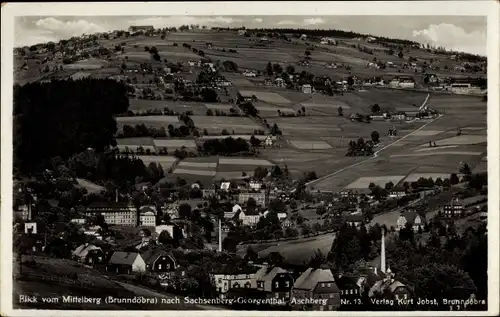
<point>123,258</point>
<point>113,205</point>
<point>152,255</point>
<point>346,282</point>
<point>355,218</point>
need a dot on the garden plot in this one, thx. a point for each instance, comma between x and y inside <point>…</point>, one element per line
<point>364,182</point>
<point>284,155</point>
<point>142,104</point>
<point>274,110</point>
<point>186,54</point>
<point>194,172</point>
<point>244,161</point>
<point>462,140</point>
<point>148,119</point>
<point>166,162</point>
<point>474,128</point>
<point>174,143</point>
<point>269,97</point>
<point>439,153</point>
<point>137,56</point>
<point>415,177</point>
<point>311,145</point>
<point>240,125</point>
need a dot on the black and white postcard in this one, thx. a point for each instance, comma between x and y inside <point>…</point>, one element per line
<point>250,158</point>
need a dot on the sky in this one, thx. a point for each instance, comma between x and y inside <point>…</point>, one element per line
<point>461,33</point>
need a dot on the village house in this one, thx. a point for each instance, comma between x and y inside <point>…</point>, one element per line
<point>250,217</point>
<point>23,212</point>
<point>249,73</point>
<point>350,288</point>
<point>276,282</point>
<point>172,229</point>
<point>117,213</point>
<point>397,192</point>
<point>413,218</point>
<point>30,228</point>
<point>244,96</point>
<point>159,261</point>
<point>355,219</point>
<point>126,263</point>
<point>270,140</point>
<point>260,197</point>
<point>316,284</point>
<point>79,221</point>
<point>280,82</point>
<point>398,116</point>
<point>89,254</point>
<point>229,277</point>
<point>209,192</point>
<point>307,89</point>
<point>147,216</point>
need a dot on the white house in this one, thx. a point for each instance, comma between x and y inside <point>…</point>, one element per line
<point>126,262</point>
<point>413,218</point>
<point>280,82</point>
<point>169,229</point>
<point>30,227</point>
<point>397,193</point>
<point>147,216</point>
<point>249,217</point>
<point>226,279</point>
<point>307,89</point>
<point>255,185</point>
<point>270,140</point>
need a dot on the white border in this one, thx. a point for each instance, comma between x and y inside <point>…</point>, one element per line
<point>491,9</point>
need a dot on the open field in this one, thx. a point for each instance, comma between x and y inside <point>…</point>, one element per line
<point>219,106</point>
<point>185,164</point>
<point>166,162</point>
<point>134,142</point>
<point>300,251</point>
<point>414,177</point>
<point>233,175</point>
<point>364,182</point>
<point>269,97</point>
<point>177,106</point>
<point>235,136</point>
<point>88,64</point>
<point>243,161</point>
<point>241,125</point>
<point>148,119</point>
<point>439,153</point>
<point>437,148</point>
<point>462,140</point>
<point>89,186</point>
<point>134,148</point>
<point>311,145</point>
<point>191,171</point>
<point>174,143</point>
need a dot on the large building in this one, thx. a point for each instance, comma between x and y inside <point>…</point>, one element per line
<point>117,213</point>
<point>260,197</point>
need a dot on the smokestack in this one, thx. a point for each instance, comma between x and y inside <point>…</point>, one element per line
<point>382,251</point>
<point>220,235</point>
<point>116,193</point>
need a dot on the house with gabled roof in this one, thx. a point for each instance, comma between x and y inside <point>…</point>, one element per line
<point>89,254</point>
<point>159,261</point>
<point>415,219</point>
<point>315,289</point>
<point>275,282</point>
<point>126,263</point>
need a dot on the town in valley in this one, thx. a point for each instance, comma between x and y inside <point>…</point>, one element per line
<point>249,169</point>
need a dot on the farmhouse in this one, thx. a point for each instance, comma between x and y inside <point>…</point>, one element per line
<point>414,219</point>
<point>355,220</point>
<point>246,96</point>
<point>316,284</point>
<point>270,140</point>
<point>126,262</point>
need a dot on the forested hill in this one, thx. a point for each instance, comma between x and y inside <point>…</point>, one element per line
<point>62,118</point>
